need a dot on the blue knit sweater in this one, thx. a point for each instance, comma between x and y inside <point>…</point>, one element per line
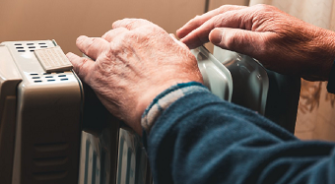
<point>193,137</point>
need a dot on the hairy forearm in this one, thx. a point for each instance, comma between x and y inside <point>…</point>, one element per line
<point>327,46</point>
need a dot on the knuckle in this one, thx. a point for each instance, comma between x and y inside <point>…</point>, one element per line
<point>107,34</point>
<point>263,7</point>
<point>94,41</point>
<point>263,12</point>
<point>136,22</point>
<point>260,6</point>
<point>133,35</point>
<point>80,42</point>
<point>146,22</point>
<point>125,36</point>
<point>217,20</point>
<point>197,18</point>
<point>123,22</point>
<point>80,67</point>
<point>138,37</point>
<point>142,21</point>
<point>104,64</point>
<point>130,24</point>
<point>195,21</point>
<point>123,41</point>
<point>224,8</point>
<point>230,41</point>
<point>84,63</point>
<point>156,29</point>
<point>76,69</point>
<point>117,23</point>
<point>88,44</point>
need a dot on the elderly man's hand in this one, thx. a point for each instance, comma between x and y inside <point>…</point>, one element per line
<point>134,62</point>
<point>281,42</point>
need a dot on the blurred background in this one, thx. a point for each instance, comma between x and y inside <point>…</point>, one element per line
<point>65,20</point>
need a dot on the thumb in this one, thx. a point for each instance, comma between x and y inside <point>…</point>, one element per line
<point>81,65</point>
<point>238,40</point>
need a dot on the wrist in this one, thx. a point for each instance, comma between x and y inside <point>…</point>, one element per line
<point>145,99</point>
<point>165,99</point>
<point>328,47</point>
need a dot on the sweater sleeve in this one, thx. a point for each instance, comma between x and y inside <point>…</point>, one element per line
<point>199,138</point>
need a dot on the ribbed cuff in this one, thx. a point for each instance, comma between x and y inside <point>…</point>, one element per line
<point>165,99</point>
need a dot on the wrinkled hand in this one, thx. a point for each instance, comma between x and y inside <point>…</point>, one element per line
<point>279,41</point>
<point>134,62</point>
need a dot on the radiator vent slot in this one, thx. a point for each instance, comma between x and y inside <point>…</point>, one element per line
<point>20,47</point>
<point>54,161</point>
<point>53,175</point>
<point>29,47</point>
<point>46,147</point>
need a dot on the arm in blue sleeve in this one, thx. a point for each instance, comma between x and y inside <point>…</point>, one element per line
<point>202,139</point>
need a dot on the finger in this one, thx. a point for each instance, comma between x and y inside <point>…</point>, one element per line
<point>82,66</point>
<point>111,34</point>
<point>199,36</point>
<point>199,20</point>
<point>178,42</point>
<point>92,47</point>
<point>241,41</point>
<point>131,24</point>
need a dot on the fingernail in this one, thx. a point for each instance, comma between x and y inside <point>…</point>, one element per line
<point>115,24</point>
<point>179,33</point>
<point>81,38</point>
<point>216,36</point>
<point>70,55</point>
<point>189,43</point>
